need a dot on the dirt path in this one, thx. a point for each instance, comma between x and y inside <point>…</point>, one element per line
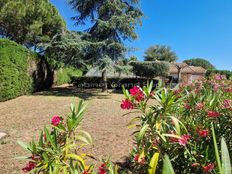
<point>24,117</point>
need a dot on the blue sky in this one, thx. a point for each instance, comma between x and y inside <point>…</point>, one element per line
<point>193,28</point>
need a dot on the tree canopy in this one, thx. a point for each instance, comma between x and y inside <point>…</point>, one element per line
<point>69,48</point>
<point>199,62</point>
<point>160,53</point>
<point>112,22</point>
<point>150,69</point>
<point>29,22</point>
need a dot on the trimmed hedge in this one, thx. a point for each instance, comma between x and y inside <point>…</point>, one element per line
<point>227,73</point>
<point>22,71</point>
<point>150,69</point>
<point>112,83</point>
<point>14,78</point>
<point>63,75</point>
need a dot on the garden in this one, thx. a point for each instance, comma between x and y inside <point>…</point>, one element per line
<point>75,101</point>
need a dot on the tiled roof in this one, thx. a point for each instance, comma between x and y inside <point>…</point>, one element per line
<point>186,68</point>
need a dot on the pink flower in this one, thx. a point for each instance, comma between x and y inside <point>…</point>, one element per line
<point>218,77</point>
<point>137,93</point>
<point>183,140</point>
<point>127,104</point>
<point>195,164</point>
<point>102,169</point>
<point>203,132</point>
<point>200,106</point>
<point>228,89</point>
<point>138,159</point>
<point>227,104</point>
<point>215,87</point>
<point>31,165</point>
<point>172,139</point>
<point>187,106</point>
<point>208,168</point>
<point>56,120</point>
<point>213,114</point>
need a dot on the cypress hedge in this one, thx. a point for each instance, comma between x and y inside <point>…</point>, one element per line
<point>14,78</point>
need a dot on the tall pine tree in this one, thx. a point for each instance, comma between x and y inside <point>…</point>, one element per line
<point>113,22</point>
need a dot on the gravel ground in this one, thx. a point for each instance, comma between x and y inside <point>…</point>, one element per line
<point>24,117</point>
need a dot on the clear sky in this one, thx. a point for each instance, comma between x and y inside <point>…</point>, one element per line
<point>193,28</point>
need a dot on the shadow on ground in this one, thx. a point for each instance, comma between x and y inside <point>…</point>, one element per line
<point>70,91</point>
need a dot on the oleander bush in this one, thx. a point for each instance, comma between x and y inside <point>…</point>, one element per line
<point>58,149</point>
<point>179,125</point>
<point>179,131</point>
<point>227,73</point>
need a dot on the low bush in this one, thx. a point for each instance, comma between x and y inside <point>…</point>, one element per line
<point>113,83</point>
<point>64,75</point>
<point>227,73</point>
<point>60,148</point>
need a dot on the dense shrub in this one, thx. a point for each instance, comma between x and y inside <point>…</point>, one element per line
<point>227,73</point>
<point>113,83</point>
<point>64,75</point>
<point>181,124</point>
<point>14,78</point>
<point>21,71</point>
<point>150,69</point>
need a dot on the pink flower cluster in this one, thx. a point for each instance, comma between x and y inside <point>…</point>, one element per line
<point>227,104</point>
<point>127,104</point>
<point>139,160</point>
<point>56,120</point>
<point>137,93</point>
<point>203,132</point>
<point>213,114</point>
<point>183,140</point>
<point>30,166</point>
<point>102,169</point>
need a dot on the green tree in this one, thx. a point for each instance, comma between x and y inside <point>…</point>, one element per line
<point>112,23</point>
<point>29,22</point>
<point>69,48</point>
<point>133,59</point>
<point>160,53</point>
<point>150,69</point>
<point>200,62</point>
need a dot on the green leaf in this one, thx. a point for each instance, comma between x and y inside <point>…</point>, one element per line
<point>167,166</point>
<point>25,146</point>
<point>142,133</point>
<point>49,138</point>
<point>22,158</point>
<point>226,165</point>
<point>153,163</point>
<point>76,157</point>
<point>216,150</point>
<point>85,137</point>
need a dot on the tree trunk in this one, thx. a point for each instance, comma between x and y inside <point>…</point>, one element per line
<point>179,76</point>
<point>104,81</point>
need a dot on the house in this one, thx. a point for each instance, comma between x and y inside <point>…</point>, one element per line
<point>185,73</point>
<point>180,72</point>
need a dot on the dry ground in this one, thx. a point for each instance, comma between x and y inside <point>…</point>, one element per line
<point>23,118</point>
